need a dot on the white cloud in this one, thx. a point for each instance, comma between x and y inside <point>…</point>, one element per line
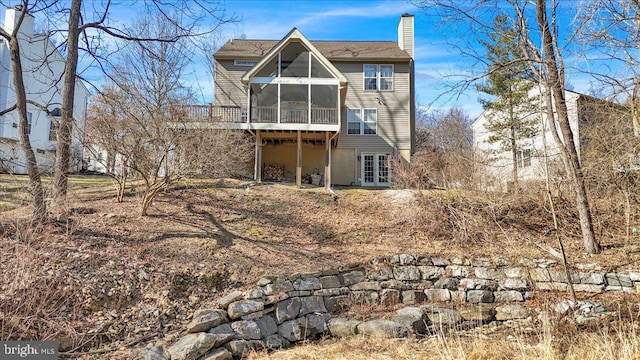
<point>383,9</point>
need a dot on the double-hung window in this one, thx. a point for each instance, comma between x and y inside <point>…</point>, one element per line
<point>523,158</point>
<point>362,121</point>
<point>378,77</point>
<point>53,131</point>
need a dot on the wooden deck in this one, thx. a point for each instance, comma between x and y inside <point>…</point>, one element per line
<point>259,115</point>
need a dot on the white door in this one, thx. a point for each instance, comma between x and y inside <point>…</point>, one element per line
<point>375,170</point>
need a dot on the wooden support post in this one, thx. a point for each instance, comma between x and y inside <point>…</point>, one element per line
<point>299,161</point>
<point>258,165</point>
<point>327,164</point>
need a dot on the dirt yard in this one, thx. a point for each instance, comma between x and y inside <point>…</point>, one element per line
<point>106,281</point>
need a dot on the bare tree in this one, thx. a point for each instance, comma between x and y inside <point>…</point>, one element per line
<point>65,126</point>
<point>552,72</point>
<point>443,155</point>
<point>141,117</point>
<point>449,140</point>
<point>611,44</point>
<point>610,161</point>
<point>13,40</point>
<point>107,134</point>
<point>536,30</point>
<point>86,26</point>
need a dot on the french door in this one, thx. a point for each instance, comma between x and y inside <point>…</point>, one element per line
<point>376,170</point>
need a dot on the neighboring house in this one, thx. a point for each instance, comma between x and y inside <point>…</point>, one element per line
<point>43,66</point>
<point>583,110</point>
<point>332,111</point>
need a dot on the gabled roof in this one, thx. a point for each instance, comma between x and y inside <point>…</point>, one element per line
<point>293,35</point>
<point>332,50</point>
<point>534,92</point>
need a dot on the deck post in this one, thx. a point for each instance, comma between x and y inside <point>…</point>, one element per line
<point>299,160</point>
<point>257,175</point>
<point>327,165</point>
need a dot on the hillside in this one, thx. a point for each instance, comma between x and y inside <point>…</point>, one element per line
<point>108,281</point>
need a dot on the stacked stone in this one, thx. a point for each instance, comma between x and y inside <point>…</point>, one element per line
<point>428,319</point>
<point>271,315</point>
<point>548,279</point>
<point>411,279</point>
<point>280,311</point>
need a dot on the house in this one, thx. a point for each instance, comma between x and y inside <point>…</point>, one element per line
<point>43,66</point>
<point>323,111</point>
<point>537,154</point>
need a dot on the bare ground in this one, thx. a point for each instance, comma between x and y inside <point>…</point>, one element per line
<point>106,281</point>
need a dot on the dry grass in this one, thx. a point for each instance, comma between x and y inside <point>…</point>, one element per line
<point>551,342</point>
<point>108,278</point>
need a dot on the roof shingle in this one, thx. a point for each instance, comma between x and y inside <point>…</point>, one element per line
<point>332,50</point>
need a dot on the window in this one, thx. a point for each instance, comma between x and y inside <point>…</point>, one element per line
<point>371,77</point>
<point>386,77</point>
<point>243,63</point>
<point>29,117</point>
<point>378,77</point>
<point>353,121</point>
<point>362,121</point>
<point>53,131</point>
<point>523,158</point>
<point>370,121</point>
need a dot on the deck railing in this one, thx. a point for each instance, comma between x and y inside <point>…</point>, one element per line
<point>259,114</point>
<point>210,113</point>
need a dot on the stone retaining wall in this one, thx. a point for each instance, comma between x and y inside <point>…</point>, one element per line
<point>280,311</point>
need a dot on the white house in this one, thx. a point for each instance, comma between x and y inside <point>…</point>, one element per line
<point>43,66</point>
<point>531,165</point>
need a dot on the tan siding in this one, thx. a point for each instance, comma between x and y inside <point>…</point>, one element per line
<point>393,114</point>
<point>394,120</point>
<point>229,91</point>
<point>406,29</point>
<point>412,110</point>
<point>343,166</point>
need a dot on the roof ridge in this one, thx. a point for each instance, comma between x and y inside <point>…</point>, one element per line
<point>362,41</point>
<point>384,41</point>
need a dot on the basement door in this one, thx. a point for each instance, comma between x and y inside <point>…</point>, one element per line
<point>375,170</point>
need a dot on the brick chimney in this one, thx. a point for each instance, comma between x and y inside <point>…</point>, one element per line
<point>405,34</point>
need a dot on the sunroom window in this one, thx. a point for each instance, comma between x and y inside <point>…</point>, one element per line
<point>294,61</point>
<point>295,87</point>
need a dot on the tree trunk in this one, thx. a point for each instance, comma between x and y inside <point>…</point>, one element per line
<point>39,207</point>
<point>635,108</point>
<point>65,129</point>
<point>514,156</point>
<point>122,183</point>
<point>574,169</point>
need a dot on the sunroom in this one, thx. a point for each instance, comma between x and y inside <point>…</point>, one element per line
<point>294,87</point>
